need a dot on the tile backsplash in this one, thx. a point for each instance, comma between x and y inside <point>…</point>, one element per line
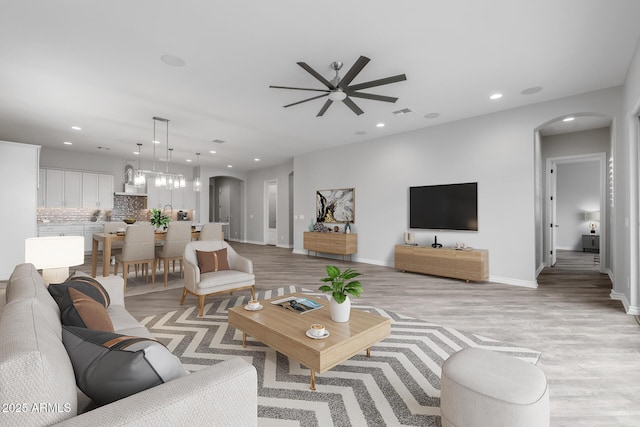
<point>123,207</point>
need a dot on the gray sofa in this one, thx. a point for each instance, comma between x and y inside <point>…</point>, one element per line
<point>37,382</point>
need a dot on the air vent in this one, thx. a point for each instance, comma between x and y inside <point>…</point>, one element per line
<point>219,141</point>
<point>104,148</point>
<point>403,112</point>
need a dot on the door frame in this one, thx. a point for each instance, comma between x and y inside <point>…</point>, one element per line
<point>601,158</point>
<point>266,230</point>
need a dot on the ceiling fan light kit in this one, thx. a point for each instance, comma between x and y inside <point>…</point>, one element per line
<point>341,89</point>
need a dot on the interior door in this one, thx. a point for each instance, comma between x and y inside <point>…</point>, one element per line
<point>552,175</point>
<point>224,209</point>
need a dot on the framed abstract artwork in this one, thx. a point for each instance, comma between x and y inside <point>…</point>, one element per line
<point>336,206</point>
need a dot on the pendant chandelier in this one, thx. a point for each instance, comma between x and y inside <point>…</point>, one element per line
<point>196,179</point>
<point>139,178</point>
<point>165,179</point>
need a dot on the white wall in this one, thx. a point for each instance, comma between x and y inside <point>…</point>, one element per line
<point>19,175</point>
<point>578,191</point>
<point>496,150</point>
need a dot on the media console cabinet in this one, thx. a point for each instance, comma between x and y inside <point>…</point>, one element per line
<point>330,243</point>
<point>447,262</point>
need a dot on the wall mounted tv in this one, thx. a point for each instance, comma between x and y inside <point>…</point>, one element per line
<point>444,207</point>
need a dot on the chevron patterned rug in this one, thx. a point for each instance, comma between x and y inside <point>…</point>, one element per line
<point>398,386</point>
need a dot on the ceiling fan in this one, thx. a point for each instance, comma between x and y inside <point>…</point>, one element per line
<point>341,89</point>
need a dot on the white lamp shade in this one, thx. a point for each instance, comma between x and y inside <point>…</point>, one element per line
<point>592,216</point>
<point>54,251</point>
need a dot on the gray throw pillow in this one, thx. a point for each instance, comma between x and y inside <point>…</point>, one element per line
<point>111,366</point>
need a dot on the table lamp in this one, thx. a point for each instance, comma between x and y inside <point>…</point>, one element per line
<point>54,255</point>
<point>593,218</point>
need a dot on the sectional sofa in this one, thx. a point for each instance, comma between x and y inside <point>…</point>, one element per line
<point>38,385</point>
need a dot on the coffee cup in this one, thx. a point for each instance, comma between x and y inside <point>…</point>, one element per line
<point>253,304</point>
<point>317,330</point>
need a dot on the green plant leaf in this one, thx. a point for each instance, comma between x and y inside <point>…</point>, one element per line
<point>339,297</point>
<point>332,271</point>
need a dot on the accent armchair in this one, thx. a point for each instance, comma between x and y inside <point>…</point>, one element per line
<point>239,276</point>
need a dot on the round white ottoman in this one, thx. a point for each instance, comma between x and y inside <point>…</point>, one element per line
<point>484,388</point>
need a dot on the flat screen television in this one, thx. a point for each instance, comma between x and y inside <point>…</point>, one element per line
<point>444,207</point>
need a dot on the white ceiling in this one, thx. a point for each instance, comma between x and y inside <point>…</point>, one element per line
<point>98,65</point>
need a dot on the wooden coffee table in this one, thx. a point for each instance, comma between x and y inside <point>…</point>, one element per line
<point>285,331</point>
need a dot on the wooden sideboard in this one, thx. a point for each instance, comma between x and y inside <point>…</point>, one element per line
<point>458,264</point>
<point>331,243</point>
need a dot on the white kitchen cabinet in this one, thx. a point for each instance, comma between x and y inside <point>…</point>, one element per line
<point>97,190</point>
<point>42,182</point>
<point>158,197</point>
<point>88,235</point>
<point>60,230</point>
<point>63,189</point>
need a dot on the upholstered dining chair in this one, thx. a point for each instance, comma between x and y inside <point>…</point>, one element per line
<point>212,267</point>
<point>178,235</point>
<point>211,231</point>
<point>138,248</point>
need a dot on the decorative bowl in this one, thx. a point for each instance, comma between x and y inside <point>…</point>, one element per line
<point>129,220</point>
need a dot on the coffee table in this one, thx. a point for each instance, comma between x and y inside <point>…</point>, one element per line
<point>285,332</point>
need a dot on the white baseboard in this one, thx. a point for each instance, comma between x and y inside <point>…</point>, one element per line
<point>628,308</point>
<point>539,269</point>
<point>514,282</point>
<point>284,246</point>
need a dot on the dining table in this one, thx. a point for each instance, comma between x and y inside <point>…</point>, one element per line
<point>107,240</point>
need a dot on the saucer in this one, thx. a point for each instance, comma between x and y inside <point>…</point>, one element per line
<point>326,334</point>
<point>246,307</point>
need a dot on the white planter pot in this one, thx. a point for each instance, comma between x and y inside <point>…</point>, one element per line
<point>340,312</point>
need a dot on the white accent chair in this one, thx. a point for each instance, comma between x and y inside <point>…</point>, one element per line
<point>138,248</point>
<point>211,231</point>
<point>178,235</point>
<point>239,276</point>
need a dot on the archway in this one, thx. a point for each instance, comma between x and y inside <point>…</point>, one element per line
<point>226,205</point>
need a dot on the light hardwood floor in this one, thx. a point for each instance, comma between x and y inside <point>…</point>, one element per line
<point>590,347</point>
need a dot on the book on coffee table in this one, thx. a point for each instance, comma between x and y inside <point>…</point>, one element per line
<point>298,304</point>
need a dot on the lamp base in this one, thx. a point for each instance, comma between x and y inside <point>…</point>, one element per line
<point>55,275</point>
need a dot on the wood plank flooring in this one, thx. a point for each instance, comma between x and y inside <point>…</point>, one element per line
<point>590,347</point>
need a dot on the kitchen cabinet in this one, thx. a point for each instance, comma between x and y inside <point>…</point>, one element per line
<point>63,188</point>
<point>88,235</point>
<point>42,180</point>
<point>97,190</point>
<point>60,230</point>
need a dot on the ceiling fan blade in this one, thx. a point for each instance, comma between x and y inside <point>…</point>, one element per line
<point>349,103</point>
<point>305,100</point>
<point>324,108</point>
<point>372,96</point>
<point>299,88</point>
<point>379,82</point>
<point>353,71</point>
<point>315,74</point>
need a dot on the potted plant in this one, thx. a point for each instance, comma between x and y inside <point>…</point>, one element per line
<point>341,287</point>
<point>158,219</point>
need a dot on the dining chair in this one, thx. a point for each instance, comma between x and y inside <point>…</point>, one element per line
<point>211,231</point>
<point>112,227</point>
<point>178,235</point>
<point>138,248</point>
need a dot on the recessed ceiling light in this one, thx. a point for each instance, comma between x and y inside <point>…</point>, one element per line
<point>212,152</point>
<point>531,90</point>
<point>256,159</point>
<point>136,153</point>
<point>380,125</point>
<point>76,128</point>
<point>432,116</point>
<point>229,166</point>
<point>568,119</point>
<point>188,160</point>
<point>495,96</point>
<point>156,142</point>
<point>173,60</point>
<point>67,143</point>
